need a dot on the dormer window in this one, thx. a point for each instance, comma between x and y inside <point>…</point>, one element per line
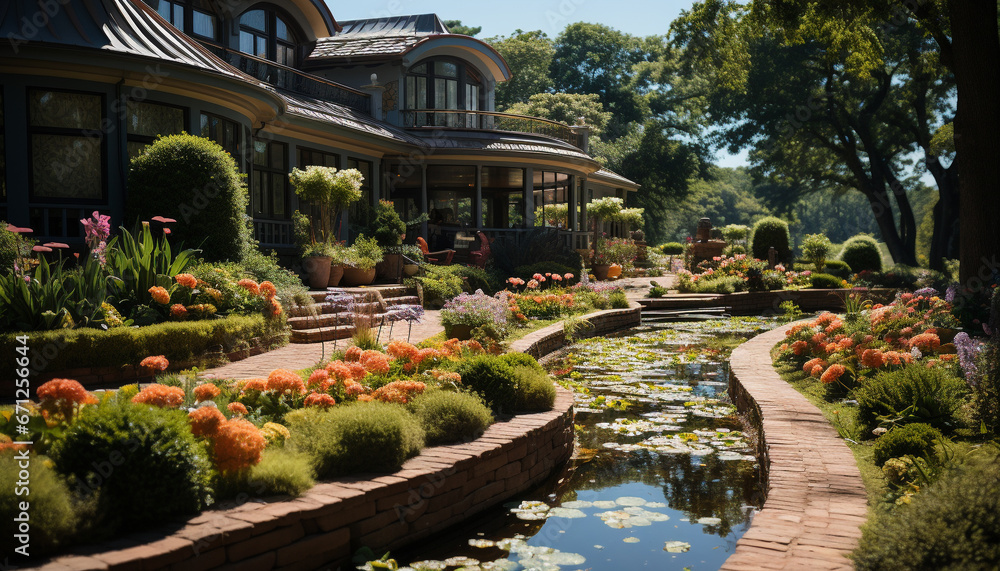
<point>188,16</point>
<point>444,84</point>
<point>266,34</point>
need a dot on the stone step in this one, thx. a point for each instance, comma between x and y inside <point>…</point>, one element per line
<point>319,334</point>
<point>321,320</point>
<point>402,300</point>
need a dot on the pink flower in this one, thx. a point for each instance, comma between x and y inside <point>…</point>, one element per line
<point>556,278</point>
<point>163,219</point>
<point>568,276</point>
<point>532,284</point>
<point>56,245</point>
<point>41,249</point>
<point>538,277</point>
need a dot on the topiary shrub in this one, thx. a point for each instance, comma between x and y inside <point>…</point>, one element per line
<point>862,253</point>
<point>359,437</point>
<point>838,268</point>
<point>815,248</point>
<point>143,462</point>
<point>491,378</point>
<point>53,519</point>
<point>911,394</point>
<point>535,391</point>
<point>672,248</point>
<point>516,359</point>
<point>953,524</point>
<point>451,417</point>
<point>825,281</point>
<point>771,232</point>
<point>914,439</point>
<point>196,182</point>
<point>280,472</point>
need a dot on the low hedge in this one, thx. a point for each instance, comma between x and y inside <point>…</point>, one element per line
<point>178,341</point>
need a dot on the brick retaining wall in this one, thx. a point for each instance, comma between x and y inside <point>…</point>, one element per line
<point>764,302</point>
<point>442,486</point>
<point>816,500</point>
<point>552,338</point>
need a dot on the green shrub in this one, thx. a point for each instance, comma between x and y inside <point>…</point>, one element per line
<point>618,300</point>
<point>911,394</point>
<point>177,340</point>
<point>815,248</point>
<point>53,519</point>
<point>265,267</point>
<point>825,281</point>
<point>491,378</point>
<point>672,248</point>
<point>143,461</point>
<point>359,437</point>
<point>914,439</point>
<point>838,268</point>
<point>451,417</point>
<point>535,391</point>
<point>771,232</point>
<point>439,284</point>
<point>280,472</point>
<point>518,359</point>
<point>196,182</point>
<point>862,253</point>
<point>721,284</point>
<point>387,227</point>
<point>735,233</point>
<point>12,247</point>
<point>953,524</point>
<point>901,276</point>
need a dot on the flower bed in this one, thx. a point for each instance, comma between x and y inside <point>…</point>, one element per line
<point>739,273</point>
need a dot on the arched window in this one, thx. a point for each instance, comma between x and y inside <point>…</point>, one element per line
<point>444,84</point>
<point>268,34</point>
<point>193,17</point>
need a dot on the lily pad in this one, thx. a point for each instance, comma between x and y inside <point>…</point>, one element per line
<point>577,504</point>
<point>631,539</point>
<point>630,501</point>
<point>570,513</point>
<point>677,547</point>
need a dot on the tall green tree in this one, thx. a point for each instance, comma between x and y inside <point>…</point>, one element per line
<point>529,55</point>
<point>567,108</point>
<point>967,36</point>
<point>456,27</point>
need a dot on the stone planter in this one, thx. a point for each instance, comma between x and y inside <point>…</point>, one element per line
<point>458,331</point>
<point>356,277</point>
<point>410,270</point>
<point>318,270</point>
<point>601,271</point>
<point>336,273</point>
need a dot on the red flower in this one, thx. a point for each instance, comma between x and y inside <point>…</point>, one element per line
<point>319,400</point>
<point>160,396</point>
<point>237,408</point>
<point>186,280</point>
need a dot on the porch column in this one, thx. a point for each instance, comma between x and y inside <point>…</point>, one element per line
<point>529,198</point>
<point>571,202</point>
<point>423,198</point>
<point>345,233</point>
<point>477,202</point>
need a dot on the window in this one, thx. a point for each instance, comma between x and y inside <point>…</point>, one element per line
<point>65,147</point>
<point>269,197</point>
<point>503,197</point>
<point>362,208</point>
<point>266,34</point>
<point>187,16</point>
<point>145,121</point>
<point>444,84</point>
<point>551,189</point>
<point>309,157</point>
<point>3,163</point>
<point>224,132</point>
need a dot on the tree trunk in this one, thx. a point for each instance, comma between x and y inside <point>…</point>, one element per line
<point>944,240</point>
<point>976,64</point>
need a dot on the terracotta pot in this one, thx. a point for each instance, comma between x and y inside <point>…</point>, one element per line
<point>614,271</point>
<point>388,269</point>
<point>336,273</point>
<point>318,270</point>
<point>458,331</point>
<point>410,270</point>
<point>601,271</point>
<point>355,277</point>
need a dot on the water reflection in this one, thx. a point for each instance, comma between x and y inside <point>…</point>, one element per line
<point>662,476</point>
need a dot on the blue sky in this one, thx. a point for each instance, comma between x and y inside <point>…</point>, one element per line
<point>637,17</point>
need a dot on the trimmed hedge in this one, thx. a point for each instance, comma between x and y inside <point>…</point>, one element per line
<point>535,391</point>
<point>63,349</point>
<point>451,417</point>
<point>767,232</point>
<point>862,253</point>
<point>491,378</point>
<point>825,281</point>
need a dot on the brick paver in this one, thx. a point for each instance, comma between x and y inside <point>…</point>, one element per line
<point>816,499</point>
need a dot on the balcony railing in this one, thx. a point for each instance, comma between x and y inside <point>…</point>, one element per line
<point>490,121</point>
<point>290,79</point>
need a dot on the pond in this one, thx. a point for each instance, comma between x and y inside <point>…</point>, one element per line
<point>662,476</point>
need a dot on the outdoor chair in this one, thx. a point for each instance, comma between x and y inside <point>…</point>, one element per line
<point>447,254</point>
<point>480,256</point>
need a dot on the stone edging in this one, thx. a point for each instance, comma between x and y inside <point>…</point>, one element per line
<point>437,489</point>
<point>761,302</point>
<point>816,500</point>
<point>548,339</point>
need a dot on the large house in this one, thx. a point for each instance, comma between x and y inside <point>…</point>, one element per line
<point>86,84</point>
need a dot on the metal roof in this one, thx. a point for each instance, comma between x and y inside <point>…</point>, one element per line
<point>605,175</point>
<point>418,25</point>
<point>341,116</point>
<point>379,37</point>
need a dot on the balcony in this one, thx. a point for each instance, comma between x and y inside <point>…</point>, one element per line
<point>490,121</point>
<point>290,79</point>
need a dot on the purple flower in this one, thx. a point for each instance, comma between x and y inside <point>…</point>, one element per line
<point>968,349</point>
<point>340,299</point>
<point>949,294</point>
<point>926,292</point>
<point>409,313</point>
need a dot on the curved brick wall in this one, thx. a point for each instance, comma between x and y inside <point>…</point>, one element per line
<point>816,500</point>
<point>544,341</point>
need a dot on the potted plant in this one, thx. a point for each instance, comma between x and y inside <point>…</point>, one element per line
<point>329,191</point>
<point>619,252</point>
<point>338,258</point>
<point>361,260</point>
<point>468,311</point>
<point>315,255</point>
<point>389,231</point>
<point>412,257</point>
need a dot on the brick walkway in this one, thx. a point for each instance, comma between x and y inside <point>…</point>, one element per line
<point>301,355</point>
<point>816,500</point>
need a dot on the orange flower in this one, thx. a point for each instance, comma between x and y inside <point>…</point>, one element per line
<point>355,390</point>
<point>259,385</point>
<point>399,391</point>
<point>375,362</point>
<point>339,370</point>
<point>63,396</point>
<point>474,346</point>
<point>160,396</point>
<point>155,363</point>
<point>872,358</point>
<point>237,445</point>
<point>178,311</point>
<point>808,367</point>
<point>925,341</point>
<point>284,381</point>
<point>206,391</point>
<point>186,280</point>
<point>205,420</point>
<point>274,307</point>
<point>799,347</point>
<point>402,350</point>
<point>249,285</point>
<point>365,398</point>
<point>319,400</point>
<point>353,353</point>
<point>317,378</point>
<point>268,289</point>
<point>160,295</point>
<point>358,371</point>
<point>833,373</point>
<point>237,408</point>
